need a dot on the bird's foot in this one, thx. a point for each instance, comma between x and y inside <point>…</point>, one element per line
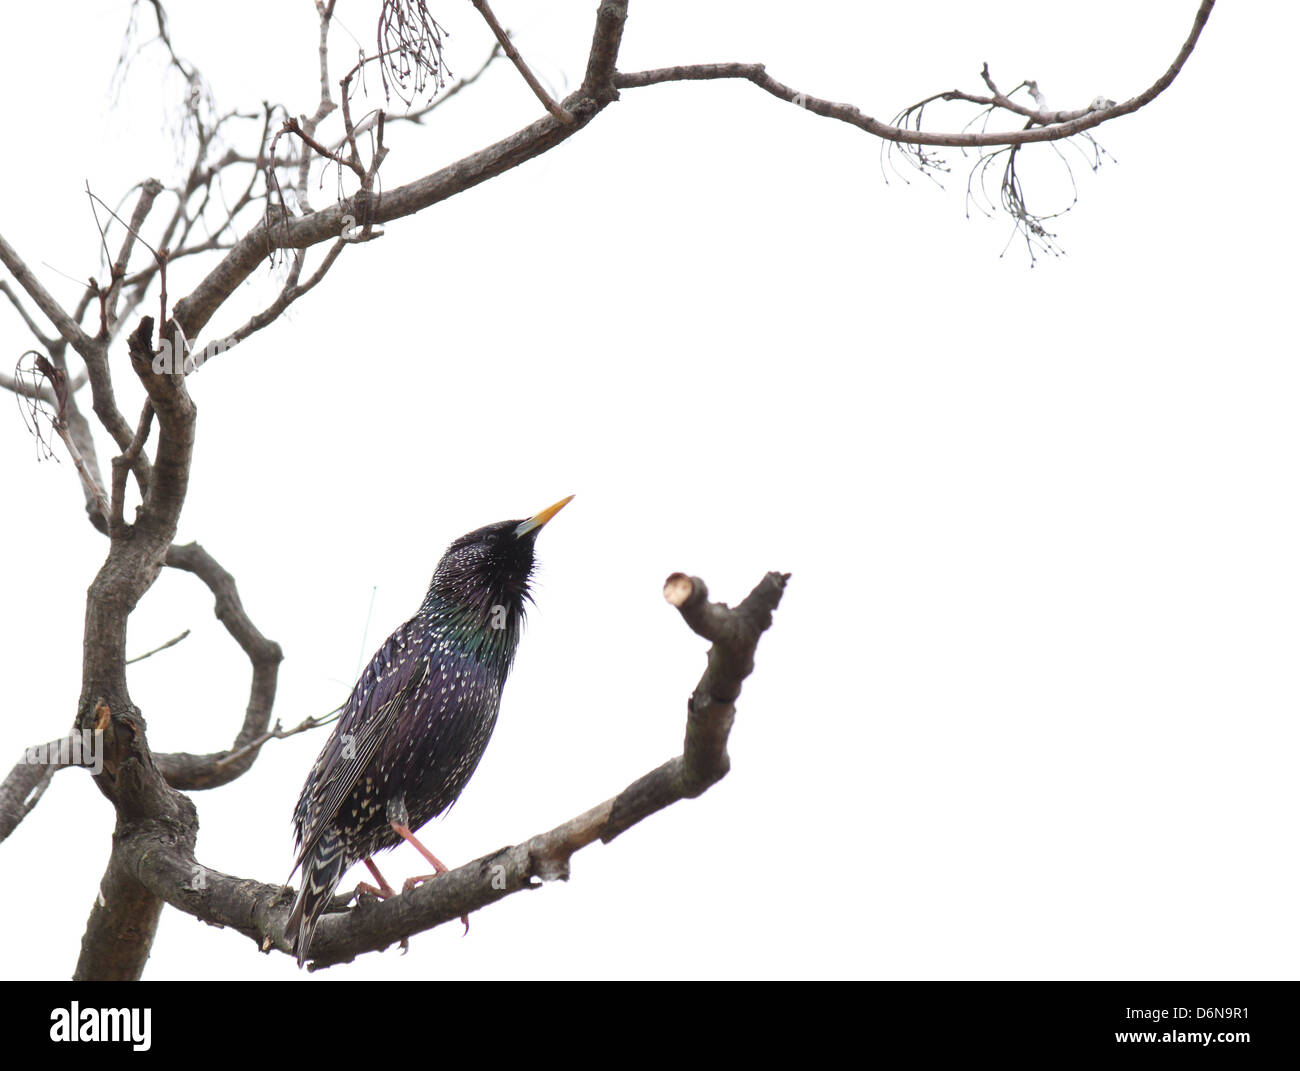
<point>364,888</point>
<point>419,879</point>
<point>411,883</point>
<point>384,891</point>
<point>439,866</point>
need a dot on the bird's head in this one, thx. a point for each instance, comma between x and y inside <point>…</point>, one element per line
<point>491,566</point>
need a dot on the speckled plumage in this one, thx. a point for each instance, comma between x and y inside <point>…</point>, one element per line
<point>418,720</point>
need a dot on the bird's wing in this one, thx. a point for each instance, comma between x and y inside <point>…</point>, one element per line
<point>389,683</point>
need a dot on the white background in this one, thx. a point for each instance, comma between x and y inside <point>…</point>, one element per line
<point>1028,709</point>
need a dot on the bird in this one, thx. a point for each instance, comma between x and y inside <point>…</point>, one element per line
<point>417,721</point>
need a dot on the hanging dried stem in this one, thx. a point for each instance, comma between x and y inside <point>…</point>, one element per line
<point>410,49</point>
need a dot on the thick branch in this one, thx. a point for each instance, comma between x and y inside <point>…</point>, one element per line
<point>20,791</point>
<point>121,926</point>
<point>598,81</point>
<point>120,930</point>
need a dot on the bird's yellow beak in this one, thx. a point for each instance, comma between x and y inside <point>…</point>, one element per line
<point>538,519</point>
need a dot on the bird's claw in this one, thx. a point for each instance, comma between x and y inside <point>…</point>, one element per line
<point>364,888</point>
<point>412,882</point>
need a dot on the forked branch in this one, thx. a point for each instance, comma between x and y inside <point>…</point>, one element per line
<point>161,855</point>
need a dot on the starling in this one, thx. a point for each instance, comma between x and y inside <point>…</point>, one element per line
<point>418,720</point>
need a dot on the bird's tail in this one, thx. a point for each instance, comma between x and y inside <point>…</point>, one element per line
<point>322,869</point>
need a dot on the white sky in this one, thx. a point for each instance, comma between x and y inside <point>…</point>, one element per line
<point>1028,709</point>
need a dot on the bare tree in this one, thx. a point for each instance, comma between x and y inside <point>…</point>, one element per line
<point>277,169</point>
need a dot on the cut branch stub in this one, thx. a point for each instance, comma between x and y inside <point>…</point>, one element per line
<point>734,634</point>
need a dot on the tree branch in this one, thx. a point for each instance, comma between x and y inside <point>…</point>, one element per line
<point>21,791</point>
<point>159,854</point>
<point>121,926</point>
<point>1052,130</point>
<point>53,311</point>
<point>36,391</point>
<point>123,463</point>
<point>181,769</point>
<point>324,107</point>
<point>26,782</point>
<point>149,191</point>
<point>160,648</point>
<point>291,293</point>
<point>503,39</point>
<point>153,854</point>
<point>7,290</point>
<point>598,81</point>
<point>194,311</point>
<point>418,114</point>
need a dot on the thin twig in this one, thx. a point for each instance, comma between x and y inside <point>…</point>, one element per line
<point>271,313</point>
<point>58,383</point>
<point>170,643</point>
<point>41,337</point>
<point>847,113</point>
<point>313,722</point>
<point>503,39</point>
<point>418,115</point>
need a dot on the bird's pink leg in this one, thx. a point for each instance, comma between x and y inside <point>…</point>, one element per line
<point>383,892</point>
<point>438,866</point>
